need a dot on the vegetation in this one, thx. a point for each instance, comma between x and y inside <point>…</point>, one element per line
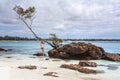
<point>15,38</point>
<point>49,39</point>
<point>27,15</point>
<point>55,41</point>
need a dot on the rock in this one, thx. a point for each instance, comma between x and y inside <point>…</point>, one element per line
<point>51,74</point>
<point>56,54</point>
<point>79,68</point>
<point>112,57</point>
<point>1,49</point>
<point>74,48</point>
<point>82,51</point>
<point>78,50</point>
<point>8,57</point>
<point>86,63</point>
<point>31,67</point>
<point>39,54</point>
<point>47,58</point>
<point>53,53</point>
<point>63,55</point>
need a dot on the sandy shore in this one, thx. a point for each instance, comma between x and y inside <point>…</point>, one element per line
<point>9,70</point>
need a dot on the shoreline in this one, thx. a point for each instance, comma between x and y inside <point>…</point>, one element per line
<point>9,69</point>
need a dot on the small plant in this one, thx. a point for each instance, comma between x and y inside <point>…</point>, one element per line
<point>55,41</point>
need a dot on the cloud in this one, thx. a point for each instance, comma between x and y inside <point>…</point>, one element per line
<point>66,18</point>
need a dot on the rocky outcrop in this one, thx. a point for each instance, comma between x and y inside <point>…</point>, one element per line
<point>82,51</point>
<point>85,63</point>
<point>74,48</point>
<point>112,57</point>
<point>79,68</point>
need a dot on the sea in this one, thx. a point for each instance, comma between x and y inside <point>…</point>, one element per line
<point>28,48</point>
<point>31,47</point>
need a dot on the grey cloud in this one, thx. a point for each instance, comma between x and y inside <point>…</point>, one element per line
<point>67,17</point>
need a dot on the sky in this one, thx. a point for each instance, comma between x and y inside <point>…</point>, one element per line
<point>66,18</point>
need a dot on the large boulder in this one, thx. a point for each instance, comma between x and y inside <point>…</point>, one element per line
<point>74,48</point>
<point>89,51</point>
<point>78,50</point>
<point>82,51</point>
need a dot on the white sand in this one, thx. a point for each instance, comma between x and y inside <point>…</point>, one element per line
<point>9,70</point>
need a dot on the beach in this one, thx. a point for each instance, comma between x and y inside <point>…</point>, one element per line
<point>22,55</point>
<point>9,69</point>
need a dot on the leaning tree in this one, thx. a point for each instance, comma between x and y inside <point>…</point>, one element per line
<point>27,17</point>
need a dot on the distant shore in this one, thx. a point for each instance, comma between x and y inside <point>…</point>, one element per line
<point>15,38</point>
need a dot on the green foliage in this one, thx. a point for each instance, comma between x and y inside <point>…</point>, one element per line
<point>55,41</point>
<point>27,14</point>
<point>24,13</point>
<point>55,38</point>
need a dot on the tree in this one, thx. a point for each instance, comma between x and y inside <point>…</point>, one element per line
<point>27,15</point>
<point>55,41</point>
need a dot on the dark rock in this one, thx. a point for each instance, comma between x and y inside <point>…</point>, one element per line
<point>47,58</point>
<point>82,51</point>
<point>79,68</point>
<point>39,54</point>
<point>1,49</point>
<point>8,57</point>
<point>78,50</point>
<point>74,48</point>
<point>112,57</point>
<point>87,63</point>
<point>53,53</point>
<point>31,67</point>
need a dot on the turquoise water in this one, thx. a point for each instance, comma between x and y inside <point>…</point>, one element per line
<point>31,47</point>
<point>23,49</point>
